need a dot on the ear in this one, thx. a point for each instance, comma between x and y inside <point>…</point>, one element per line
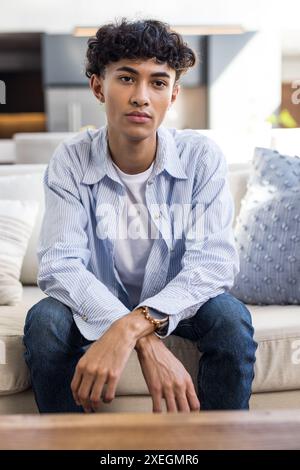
<point>96,84</point>
<point>175,91</point>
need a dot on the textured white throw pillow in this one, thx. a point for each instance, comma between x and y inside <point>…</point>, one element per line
<point>29,186</point>
<point>17,219</point>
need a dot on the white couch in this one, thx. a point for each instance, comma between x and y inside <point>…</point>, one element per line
<point>277,330</point>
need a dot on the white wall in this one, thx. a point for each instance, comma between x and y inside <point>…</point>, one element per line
<point>63,15</point>
<point>291,55</point>
<point>291,68</point>
<point>244,79</point>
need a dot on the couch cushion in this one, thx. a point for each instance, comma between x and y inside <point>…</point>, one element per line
<point>19,182</point>
<point>38,147</point>
<point>17,219</point>
<point>267,232</point>
<point>14,375</point>
<point>286,141</point>
<point>277,330</point>
<point>238,186</point>
<point>238,144</point>
<point>7,151</point>
<point>277,365</point>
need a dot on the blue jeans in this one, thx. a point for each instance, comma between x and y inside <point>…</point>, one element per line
<point>221,328</point>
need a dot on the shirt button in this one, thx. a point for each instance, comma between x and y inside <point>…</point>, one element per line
<point>84,317</point>
<point>156,216</point>
<point>149,182</point>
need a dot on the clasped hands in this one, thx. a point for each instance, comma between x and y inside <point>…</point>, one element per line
<point>98,371</point>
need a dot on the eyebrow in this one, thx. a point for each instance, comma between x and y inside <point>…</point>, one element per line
<point>125,68</point>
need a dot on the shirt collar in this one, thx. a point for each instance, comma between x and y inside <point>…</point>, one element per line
<point>167,155</point>
<point>100,164</point>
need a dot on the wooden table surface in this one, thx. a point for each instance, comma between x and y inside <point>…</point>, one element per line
<point>204,430</point>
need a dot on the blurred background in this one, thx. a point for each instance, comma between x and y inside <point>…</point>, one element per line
<point>247,79</point>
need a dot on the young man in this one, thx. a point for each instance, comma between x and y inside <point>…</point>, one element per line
<point>115,292</point>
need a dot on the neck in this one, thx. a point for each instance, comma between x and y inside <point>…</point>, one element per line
<point>131,156</point>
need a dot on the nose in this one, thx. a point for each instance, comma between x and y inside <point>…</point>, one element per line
<point>140,96</point>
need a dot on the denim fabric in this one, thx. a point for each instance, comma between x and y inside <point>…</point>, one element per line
<point>221,328</point>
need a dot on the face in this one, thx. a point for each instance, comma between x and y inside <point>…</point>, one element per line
<point>142,87</point>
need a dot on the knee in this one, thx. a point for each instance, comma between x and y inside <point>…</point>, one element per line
<point>231,313</point>
<point>46,313</point>
<point>228,321</point>
<point>44,320</point>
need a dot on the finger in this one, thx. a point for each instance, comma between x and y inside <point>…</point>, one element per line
<point>193,400</point>
<point>95,395</point>
<point>111,389</point>
<point>156,401</point>
<point>76,381</point>
<point>170,401</point>
<point>84,391</point>
<point>181,400</point>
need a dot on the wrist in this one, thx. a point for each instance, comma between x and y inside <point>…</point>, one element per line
<point>135,325</point>
<point>146,342</point>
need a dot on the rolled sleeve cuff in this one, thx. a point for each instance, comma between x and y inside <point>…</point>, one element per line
<point>94,318</point>
<point>173,319</point>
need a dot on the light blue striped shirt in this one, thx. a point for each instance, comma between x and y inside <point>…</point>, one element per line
<point>189,262</point>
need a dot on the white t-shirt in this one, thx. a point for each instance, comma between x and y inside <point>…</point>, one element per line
<point>133,246</point>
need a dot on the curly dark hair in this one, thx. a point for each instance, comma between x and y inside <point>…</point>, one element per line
<point>142,39</point>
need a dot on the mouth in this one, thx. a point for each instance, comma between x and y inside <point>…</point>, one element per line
<point>138,117</point>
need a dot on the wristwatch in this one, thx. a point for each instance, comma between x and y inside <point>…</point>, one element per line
<point>158,319</point>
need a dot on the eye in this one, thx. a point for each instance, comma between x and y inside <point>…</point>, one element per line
<point>126,79</point>
<point>160,84</point>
